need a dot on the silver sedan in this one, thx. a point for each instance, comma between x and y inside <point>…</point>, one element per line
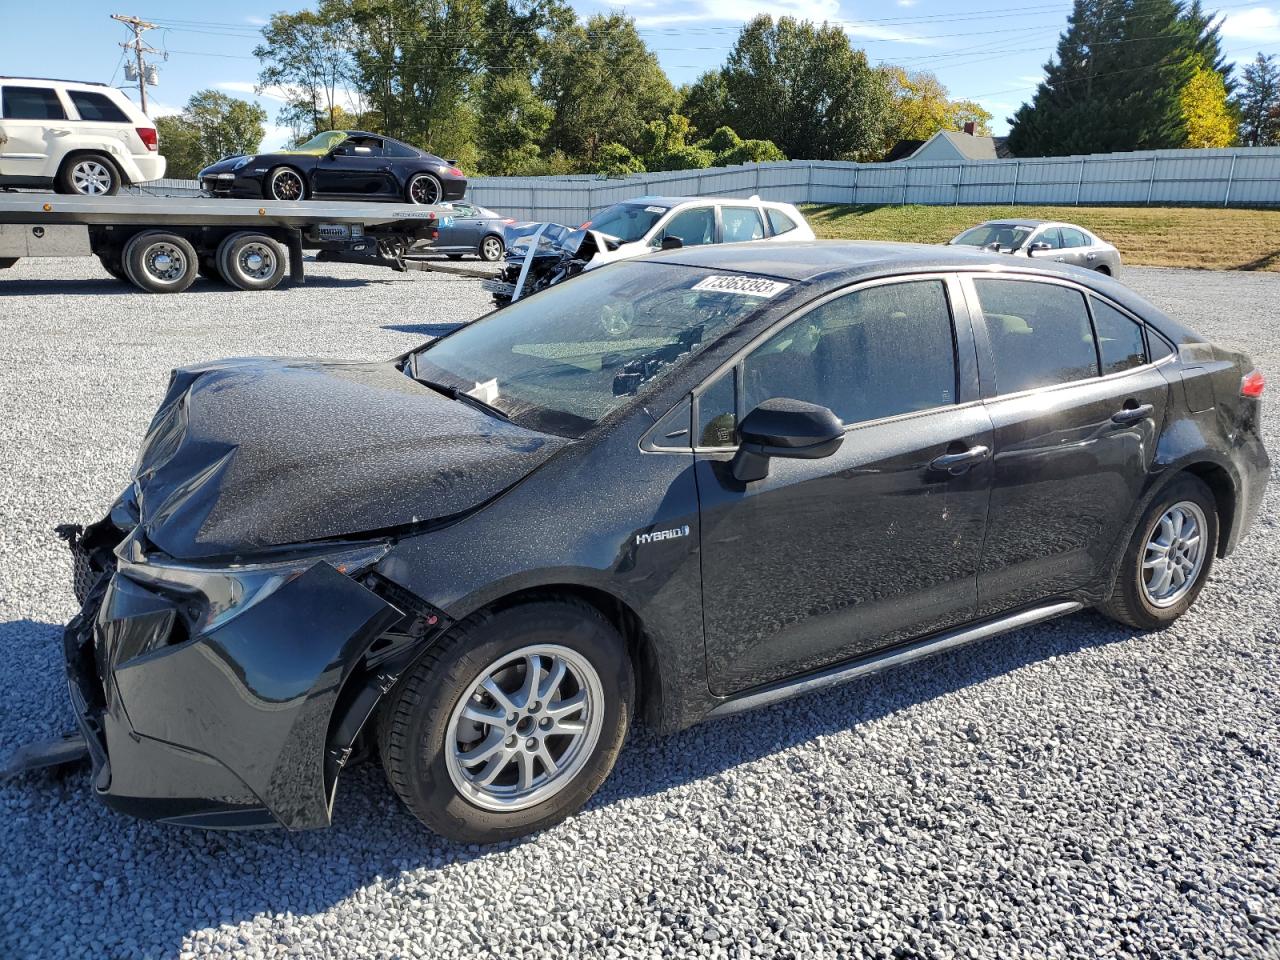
<point>1048,239</point>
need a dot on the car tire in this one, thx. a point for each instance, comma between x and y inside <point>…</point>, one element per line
<point>428,743</point>
<point>251,261</point>
<point>89,175</point>
<point>491,248</point>
<point>160,262</point>
<point>423,188</point>
<point>286,183</point>
<point>1139,597</point>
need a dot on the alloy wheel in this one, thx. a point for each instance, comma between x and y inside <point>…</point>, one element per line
<point>1174,554</point>
<point>91,178</point>
<point>424,189</point>
<point>491,249</point>
<point>526,727</point>
<point>286,185</point>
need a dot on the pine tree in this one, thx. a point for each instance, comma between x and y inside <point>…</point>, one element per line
<point>1116,80</point>
<point>1258,103</point>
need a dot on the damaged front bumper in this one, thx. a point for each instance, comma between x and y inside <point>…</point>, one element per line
<point>231,698</point>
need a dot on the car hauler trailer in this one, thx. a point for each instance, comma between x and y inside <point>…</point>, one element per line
<point>161,244</point>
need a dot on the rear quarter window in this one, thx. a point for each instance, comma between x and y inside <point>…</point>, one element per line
<point>96,107</point>
<point>779,222</point>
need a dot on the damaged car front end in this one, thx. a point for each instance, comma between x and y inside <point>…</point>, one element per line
<point>236,633</point>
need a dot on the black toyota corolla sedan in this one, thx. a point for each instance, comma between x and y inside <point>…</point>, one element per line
<point>675,487</point>
<point>338,165</point>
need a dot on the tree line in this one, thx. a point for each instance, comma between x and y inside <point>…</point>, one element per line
<point>523,87</point>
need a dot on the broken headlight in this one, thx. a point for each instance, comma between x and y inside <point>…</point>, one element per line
<point>208,596</point>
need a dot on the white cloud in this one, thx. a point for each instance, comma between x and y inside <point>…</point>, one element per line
<point>156,109</point>
<point>256,21</point>
<point>661,13</point>
<point>906,3</point>
<point>281,93</point>
<point>1258,24</point>
<point>276,137</point>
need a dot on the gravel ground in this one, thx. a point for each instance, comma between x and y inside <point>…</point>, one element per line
<point>1071,790</point>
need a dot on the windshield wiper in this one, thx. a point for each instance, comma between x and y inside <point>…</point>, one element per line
<point>453,393</point>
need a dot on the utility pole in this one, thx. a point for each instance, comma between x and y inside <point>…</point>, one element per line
<point>138,26</point>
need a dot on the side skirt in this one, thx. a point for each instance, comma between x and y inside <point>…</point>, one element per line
<point>763,696</point>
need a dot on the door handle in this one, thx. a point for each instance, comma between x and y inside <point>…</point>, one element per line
<point>957,463</point>
<point>1132,414</point>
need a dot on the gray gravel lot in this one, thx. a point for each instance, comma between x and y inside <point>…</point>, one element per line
<point>1072,790</point>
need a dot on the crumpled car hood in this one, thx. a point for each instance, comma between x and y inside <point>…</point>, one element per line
<point>250,454</point>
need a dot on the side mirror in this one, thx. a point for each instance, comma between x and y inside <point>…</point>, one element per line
<point>671,243</point>
<point>1039,247</point>
<point>784,428</point>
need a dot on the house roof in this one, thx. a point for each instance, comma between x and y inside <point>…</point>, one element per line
<point>968,146</point>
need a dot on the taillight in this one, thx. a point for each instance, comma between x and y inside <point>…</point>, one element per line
<point>585,225</point>
<point>509,220</point>
<point>455,172</point>
<point>1252,384</point>
<point>149,138</point>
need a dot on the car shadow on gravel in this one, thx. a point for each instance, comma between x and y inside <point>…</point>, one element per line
<point>149,885</point>
<point>424,329</point>
<point>65,288</point>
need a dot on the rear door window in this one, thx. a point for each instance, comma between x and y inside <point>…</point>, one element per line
<point>1040,333</point>
<point>1071,237</point>
<point>31,103</point>
<point>1120,342</point>
<point>1051,236</point>
<point>97,107</point>
<point>740,224</point>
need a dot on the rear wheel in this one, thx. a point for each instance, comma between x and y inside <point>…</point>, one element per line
<point>251,261</point>
<point>160,262</point>
<point>1168,558</point>
<point>491,248</point>
<point>89,175</point>
<point>511,723</point>
<point>422,188</point>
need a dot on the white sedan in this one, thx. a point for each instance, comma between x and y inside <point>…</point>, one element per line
<point>646,224</point>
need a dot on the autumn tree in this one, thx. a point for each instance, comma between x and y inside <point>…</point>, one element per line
<point>921,107</point>
<point>305,58</point>
<point>1209,119</point>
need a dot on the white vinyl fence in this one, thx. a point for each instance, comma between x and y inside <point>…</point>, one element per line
<point>1237,177</point>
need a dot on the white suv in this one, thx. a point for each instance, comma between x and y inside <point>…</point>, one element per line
<point>649,223</point>
<point>85,138</point>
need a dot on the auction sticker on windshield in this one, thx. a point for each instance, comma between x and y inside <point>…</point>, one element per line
<point>746,286</point>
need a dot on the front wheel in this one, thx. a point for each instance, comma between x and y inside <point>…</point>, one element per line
<point>491,249</point>
<point>511,723</point>
<point>286,183</point>
<point>1169,557</point>
<point>422,188</point>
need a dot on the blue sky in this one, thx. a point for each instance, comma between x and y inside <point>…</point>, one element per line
<point>981,49</point>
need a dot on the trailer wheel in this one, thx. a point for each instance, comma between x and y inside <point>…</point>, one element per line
<point>112,264</point>
<point>251,261</point>
<point>160,262</point>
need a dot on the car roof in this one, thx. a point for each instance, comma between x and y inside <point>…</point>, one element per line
<point>69,83</point>
<point>807,260</point>
<point>676,201</point>
<point>831,264</point>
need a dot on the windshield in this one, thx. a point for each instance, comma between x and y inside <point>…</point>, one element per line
<point>320,143</point>
<point>1008,236</point>
<point>563,359</point>
<point>627,221</point>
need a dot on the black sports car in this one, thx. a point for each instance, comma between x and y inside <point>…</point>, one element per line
<point>675,487</point>
<point>342,164</point>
